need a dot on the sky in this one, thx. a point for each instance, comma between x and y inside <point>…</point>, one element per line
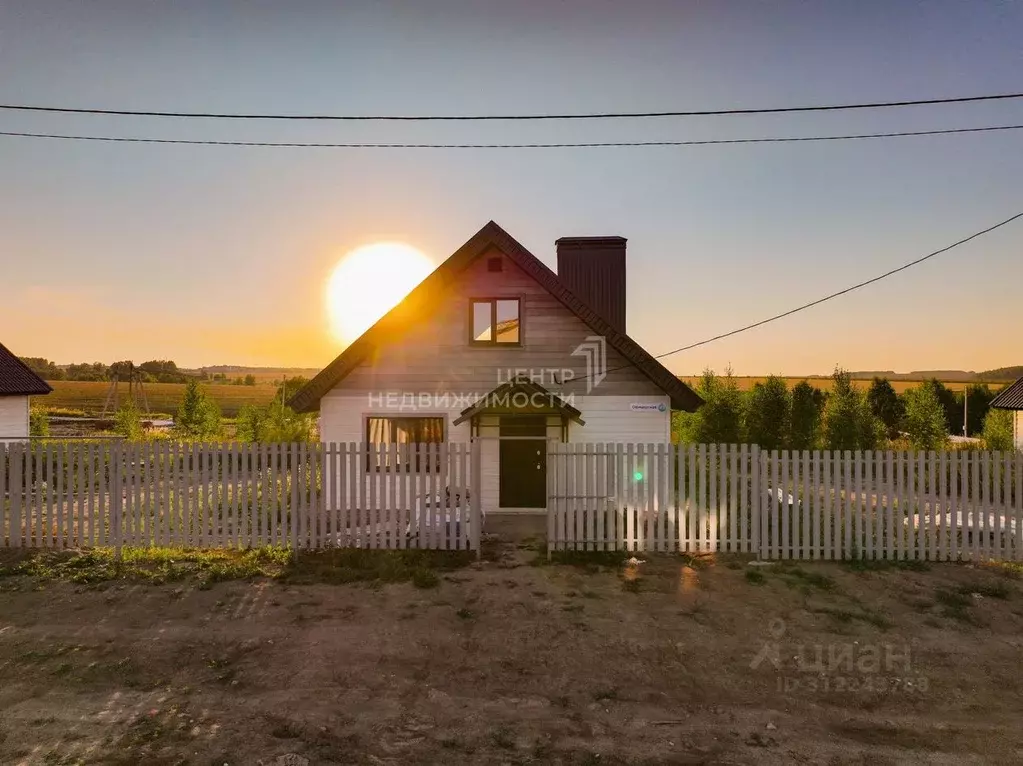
<point>219,255</point>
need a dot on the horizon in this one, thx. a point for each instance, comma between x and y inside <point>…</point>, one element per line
<point>197,253</point>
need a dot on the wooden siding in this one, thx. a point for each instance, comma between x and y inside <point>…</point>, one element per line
<point>13,417</point>
<point>436,356</point>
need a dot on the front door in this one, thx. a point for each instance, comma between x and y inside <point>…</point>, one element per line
<point>523,461</point>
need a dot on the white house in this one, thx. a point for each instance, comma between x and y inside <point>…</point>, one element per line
<point>17,384</point>
<point>1012,399</point>
<point>495,346</point>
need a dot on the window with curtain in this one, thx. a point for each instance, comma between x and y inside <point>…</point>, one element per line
<point>403,430</point>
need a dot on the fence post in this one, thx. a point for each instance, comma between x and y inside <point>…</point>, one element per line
<point>118,498</point>
<point>476,504</point>
<point>757,501</point>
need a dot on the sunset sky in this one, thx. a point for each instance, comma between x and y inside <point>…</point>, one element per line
<point>221,255</point>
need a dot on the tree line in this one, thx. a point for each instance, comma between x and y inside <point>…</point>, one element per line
<point>844,418</point>
<point>198,418</point>
<point>153,371</point>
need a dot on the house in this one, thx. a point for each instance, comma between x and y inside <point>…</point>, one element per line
<point>495,346</point>
<point>17,384</point>
<point>1012,399</point>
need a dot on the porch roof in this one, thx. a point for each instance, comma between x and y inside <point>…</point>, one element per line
<point>538,400</point>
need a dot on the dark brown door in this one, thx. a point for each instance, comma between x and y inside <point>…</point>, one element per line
<point>523,462</point>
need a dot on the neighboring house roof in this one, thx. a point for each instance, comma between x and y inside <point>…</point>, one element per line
<point>494,401</point>
<point>1011,398</point>
<point>16,379</point>
<point>423,299</point>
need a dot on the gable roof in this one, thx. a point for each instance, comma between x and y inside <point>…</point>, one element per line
<point>494,401</point>
<point>1011,398</point>
<point>16,379</point>
<point>421,300</point>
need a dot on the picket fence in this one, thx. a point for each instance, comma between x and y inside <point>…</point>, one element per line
<point>785,505</point>
<point>166,493</point>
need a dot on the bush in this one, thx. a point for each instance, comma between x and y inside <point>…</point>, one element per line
<point>128,421</point>
<point>924,420</point>
<point>998,430</point>
<point>38,422</point>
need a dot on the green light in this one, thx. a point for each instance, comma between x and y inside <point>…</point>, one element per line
<point>638,476</point>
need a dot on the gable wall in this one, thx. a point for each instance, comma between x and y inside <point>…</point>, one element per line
<point>435,357</point>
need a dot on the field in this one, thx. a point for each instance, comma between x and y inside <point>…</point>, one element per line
<point>747,382</point>
<point>335,659</point>
<point>89,396</point>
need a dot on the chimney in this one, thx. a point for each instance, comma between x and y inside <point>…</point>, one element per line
<point>593,268</point>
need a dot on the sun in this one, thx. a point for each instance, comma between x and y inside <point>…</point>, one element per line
<point>368,282</point>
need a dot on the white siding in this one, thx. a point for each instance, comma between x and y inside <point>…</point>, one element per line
<point>613,419</point>
<point>1017,428</point>
<point>13,417</point>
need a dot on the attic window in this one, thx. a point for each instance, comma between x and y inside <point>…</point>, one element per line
<point>494,322</point>
<point>495,264</point>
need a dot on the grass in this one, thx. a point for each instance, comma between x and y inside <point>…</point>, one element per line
<point>81,396</point>
<point>955,604</point>
<point>883,565</point>
<point>160,565</point>
<point>755,576</point>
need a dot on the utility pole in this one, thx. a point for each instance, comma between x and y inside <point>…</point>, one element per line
<point>966,400</point>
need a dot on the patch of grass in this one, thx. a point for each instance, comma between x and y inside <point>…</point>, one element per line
<point>348,565</point>
<point>1011,569</point>
<point>795,575</point>
<point>589,561</point>
<point>882,565</point>
<point>160,565</point>
<point>955,604</point>
<point>425,578</point>
<point>755,576</point>
<point>999,590</point>
<point>849,615</point>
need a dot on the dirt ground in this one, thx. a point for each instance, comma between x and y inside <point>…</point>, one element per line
<point>513,661</point>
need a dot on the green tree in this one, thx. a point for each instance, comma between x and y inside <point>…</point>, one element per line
<point>998,430</point>
<point>719,420</point>
<point>886,405</point>
<point>128,422</point>
<point>274,423</point>
<point>290,387</point>
<point>44,368</point>
<point>250,380</point>
<point>848,422</point>
<point>951,405</point>
<point>805,421</point>
<point>198,416</point>
<point>978,402</point>
<point>925,418</point>
<point>38,423</point>
<point>769,413</point>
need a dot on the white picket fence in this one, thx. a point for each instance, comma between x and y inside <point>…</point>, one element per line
<point>786,505</point>
<point>164,493</point>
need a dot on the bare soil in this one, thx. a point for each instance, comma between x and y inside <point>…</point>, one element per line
<point>671,661</point>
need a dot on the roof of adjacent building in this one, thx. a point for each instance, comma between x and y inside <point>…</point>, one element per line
<point>1011,398</point>
<point>423,299</point>
<point>16,379</point>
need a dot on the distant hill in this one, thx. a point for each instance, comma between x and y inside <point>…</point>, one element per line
<point>1002,373</point>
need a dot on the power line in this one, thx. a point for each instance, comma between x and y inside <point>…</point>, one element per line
<point>497,117</point>
<point>590,145</point>
<point>819,301</point>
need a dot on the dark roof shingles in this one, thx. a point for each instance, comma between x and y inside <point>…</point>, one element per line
<point>16,379</point>
<point>1011,398</point>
